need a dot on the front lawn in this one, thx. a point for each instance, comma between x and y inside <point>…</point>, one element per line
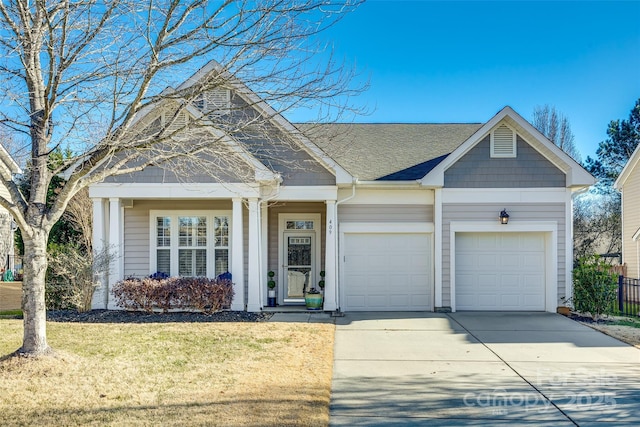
<point>196,374</point>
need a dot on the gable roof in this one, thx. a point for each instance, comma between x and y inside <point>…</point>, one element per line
<point>633,162</point>
<point>576,176</point>
<point>8,166</point>
<point>388,151</point>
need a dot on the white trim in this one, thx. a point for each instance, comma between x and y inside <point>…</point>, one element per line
<point>254,292</point>
<point>504,195</point>
<point>330,257</point>
<point>317,231</point>
<point>115,242</point>
<point>264,245</point>
<point>236,252</point>
<point>389,196</point>
<point>210,214</point>
<point>437,249</point>
<point>132,190</point>
<point>568,247</point>
<point>628,168</point>
<point>307,193</point>
<point>386,227</point>
<point>551,251</point>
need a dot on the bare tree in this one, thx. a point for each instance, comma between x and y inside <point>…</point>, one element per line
<point>556,128</point>
<point>87,74</point>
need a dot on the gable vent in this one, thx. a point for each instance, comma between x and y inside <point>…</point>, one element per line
<point>174,124</point>
<point>215,102</point>
<point>503,142</point>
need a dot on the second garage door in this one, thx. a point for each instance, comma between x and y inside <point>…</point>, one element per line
<point>387,272</point>
<point>500,271</point>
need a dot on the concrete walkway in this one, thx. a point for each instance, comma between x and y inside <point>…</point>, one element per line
<point>480,369</point>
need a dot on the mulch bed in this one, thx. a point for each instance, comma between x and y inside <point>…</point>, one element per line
<point>122,316</point>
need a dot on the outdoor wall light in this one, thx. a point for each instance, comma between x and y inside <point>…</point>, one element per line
<point>504,217</point>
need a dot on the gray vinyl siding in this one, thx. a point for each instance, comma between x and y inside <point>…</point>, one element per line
<point>476,169</point>
<point>293,207</point>
<point>277,150</point>
<point>385,213</point>
<point>485,212</point>
<point>136,229</point>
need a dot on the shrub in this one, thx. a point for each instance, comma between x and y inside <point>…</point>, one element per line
<point>199,293</point>
<point>594,287</point>
<point>71,276</point>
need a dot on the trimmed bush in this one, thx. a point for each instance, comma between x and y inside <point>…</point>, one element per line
<point>174,293</point>
<point>595,287</point>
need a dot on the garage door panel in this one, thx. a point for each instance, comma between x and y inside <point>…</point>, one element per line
<point>500,271</point>
<point>387,271</point>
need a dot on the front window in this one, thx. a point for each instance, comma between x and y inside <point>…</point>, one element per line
<point>191,245</point>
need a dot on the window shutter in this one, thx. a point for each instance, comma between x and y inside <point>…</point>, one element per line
<point>503,142</point>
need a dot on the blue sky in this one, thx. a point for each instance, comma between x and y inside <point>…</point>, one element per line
<point>456,61</point>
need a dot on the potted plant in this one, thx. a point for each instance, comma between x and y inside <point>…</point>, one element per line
<point>313,299</point>
<point>271,284</point>
<point>321,282</point>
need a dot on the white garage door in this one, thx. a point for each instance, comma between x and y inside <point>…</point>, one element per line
<point>387,272</point>
<point>500,271</point>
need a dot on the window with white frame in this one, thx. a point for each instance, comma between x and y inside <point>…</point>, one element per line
<point>190,244</point>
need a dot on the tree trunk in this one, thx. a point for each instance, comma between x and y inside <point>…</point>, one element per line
<point>34,342</point>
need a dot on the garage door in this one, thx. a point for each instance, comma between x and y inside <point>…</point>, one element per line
<point>387,272</point>
<point>500,271</point>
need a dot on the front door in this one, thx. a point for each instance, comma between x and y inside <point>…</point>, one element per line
<point>299,267</point>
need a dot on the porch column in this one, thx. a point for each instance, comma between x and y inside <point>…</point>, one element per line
<point>254,299</point>
<point>330,259</point>
<point>99,299</point>
<point>115,247</point>
<point>237,256</point>
<point>437,249</point>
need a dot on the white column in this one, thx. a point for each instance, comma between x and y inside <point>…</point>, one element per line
<point>99,300</point>
<point>437,248</point>
<point>237,256</point>
<point>115,246</point>
<point>254,300</point>
<point>264,246</point>
<point>330,259</point>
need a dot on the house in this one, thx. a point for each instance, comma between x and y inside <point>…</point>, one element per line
<point>398,216</point>
<point>8,168</point>
<point>628,183</point>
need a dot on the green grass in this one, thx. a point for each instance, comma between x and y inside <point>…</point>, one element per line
<point>634,323</point>
<point>10,314</point>
<point>226,374</point>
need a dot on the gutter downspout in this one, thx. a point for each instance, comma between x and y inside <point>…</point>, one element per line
<point>337,255</point>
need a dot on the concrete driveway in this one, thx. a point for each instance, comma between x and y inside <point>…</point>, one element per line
<point>480,369</point>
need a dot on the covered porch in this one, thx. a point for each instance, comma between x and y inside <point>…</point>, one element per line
<point>290,231</point>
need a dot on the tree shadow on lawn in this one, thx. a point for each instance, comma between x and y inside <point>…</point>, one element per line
<point>276,408</point>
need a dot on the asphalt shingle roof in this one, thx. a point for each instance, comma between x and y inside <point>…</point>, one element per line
<point>390,152</point>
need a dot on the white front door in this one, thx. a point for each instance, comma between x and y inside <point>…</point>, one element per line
<point>299,267</point>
